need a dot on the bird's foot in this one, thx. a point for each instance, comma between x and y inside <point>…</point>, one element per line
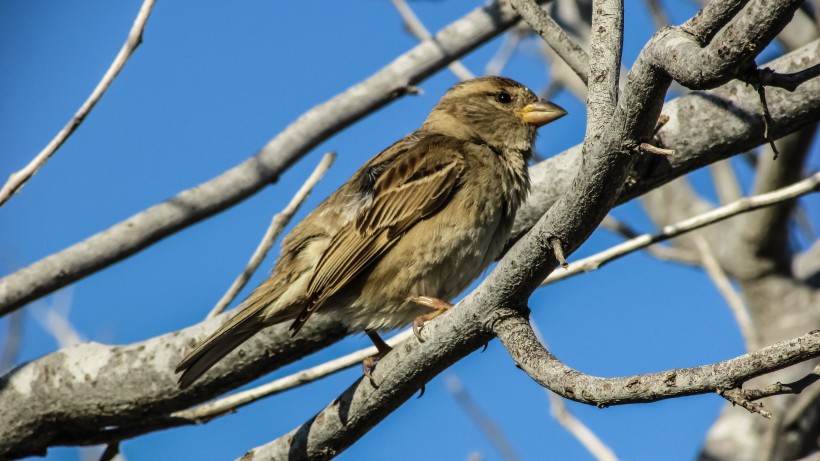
<point>439,307</point>
<point>369,363</point>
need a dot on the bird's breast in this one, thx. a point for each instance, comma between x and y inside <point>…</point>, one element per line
<point>441,255</point>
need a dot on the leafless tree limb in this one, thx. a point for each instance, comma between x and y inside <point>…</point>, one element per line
<point>579,430</point>
<point>416,27</point>
<point>481,419</point>
<point>732,297</point>
<point>556,38</point>
<point>605,48</point>
<point>726,183</point>
<point>11,347</point>
<point>663,253</point>
<point>573,425</point>
<point>745,205</point>
<point>134,39</point>
<point>277,225</point>
<point>516,334</point>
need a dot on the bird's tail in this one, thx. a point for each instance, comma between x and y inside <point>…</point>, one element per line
<point>227,338</point>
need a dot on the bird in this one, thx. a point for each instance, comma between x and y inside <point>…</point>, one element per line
<point>410,230</point>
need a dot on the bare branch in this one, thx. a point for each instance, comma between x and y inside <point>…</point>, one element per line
<point>724,286</point>
<point>647,148</point>
<point>579,430</point>
<point>735,396</point>
<point>663,253</point>
<point>606,46</point>
<point>505,51</point>
<point>481,419</point>
<point>277,225</point>
<point>596,261</point>
<point>264,167</point>
<point>573,425</point>
<point>658,14</point>
<point>556,38</point>
<point>726,183</point>
<point>768,77</point>
<point>515,333</point>
<point>134,39</point>
<point>14,335</point>
<point>416,27</point>
<point>732,48</point>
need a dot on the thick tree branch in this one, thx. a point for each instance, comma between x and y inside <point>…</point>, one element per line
<point>264,167</point>
<point>730,113</point>
<point>134,40</point>
<point>517,335</point>
<point>605,48</point>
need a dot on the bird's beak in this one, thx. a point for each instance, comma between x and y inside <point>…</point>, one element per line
<point>540,113</point>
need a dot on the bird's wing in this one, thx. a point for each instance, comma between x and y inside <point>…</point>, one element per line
<point>405,189</point>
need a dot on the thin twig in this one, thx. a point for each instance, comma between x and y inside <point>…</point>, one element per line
<point>481,419</point>
<point>663,253</point>
<point>735,396</point>
<point>768,121</point>
<point>416,27</point>
<point>277,225</point>
<point>563,45</point>
<point>724,285</point>
<point>647,148</point>
<point>573,425</point>
<point>658,14</point>
<point>598,260</point>
<point>229,404</point>
<point>53,317</point>
<point>505,51</point>
<point>726,184</point>
<point>789,82</point>
<point>19,178</point>
<point>11,348</point>
<point>578,429</point>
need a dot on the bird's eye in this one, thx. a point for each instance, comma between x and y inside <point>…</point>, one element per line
<point>503,98</point>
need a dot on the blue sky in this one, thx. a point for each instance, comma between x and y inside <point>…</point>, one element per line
<point>212,82</point>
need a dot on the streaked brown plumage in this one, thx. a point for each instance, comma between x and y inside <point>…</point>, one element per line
<point>423,218</point>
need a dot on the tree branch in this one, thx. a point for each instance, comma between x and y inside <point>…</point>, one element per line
<point>745,205</point>
<point>518,338</point>
<point>552,33</point>
<point>414,25</point>
<point>134,39</point>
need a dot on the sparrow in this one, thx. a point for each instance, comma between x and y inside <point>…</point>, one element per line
<point>408,231</point>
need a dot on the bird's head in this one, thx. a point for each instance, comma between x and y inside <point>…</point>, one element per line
<point>496,111</point>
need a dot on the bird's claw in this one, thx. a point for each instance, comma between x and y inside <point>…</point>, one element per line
<point>368,365</point>
<point>418,324</point>
<point>439,307</point>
